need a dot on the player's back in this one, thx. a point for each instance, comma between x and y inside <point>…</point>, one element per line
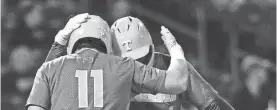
<point>89,81</point>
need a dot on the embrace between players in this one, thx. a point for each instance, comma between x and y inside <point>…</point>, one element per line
<point>94,67</point>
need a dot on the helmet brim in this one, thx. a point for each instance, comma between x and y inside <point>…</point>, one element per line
<point>137,53</point>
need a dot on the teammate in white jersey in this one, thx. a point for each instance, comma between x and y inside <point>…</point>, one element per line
<point>132,39</point>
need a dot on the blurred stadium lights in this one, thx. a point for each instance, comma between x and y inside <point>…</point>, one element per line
<point>264,3</point>
<point>110,10</point>
<point>234,5</point>
<point>24,84</point>
<point>231,5</point>
<point>119,9</point>
<point>22,59</point>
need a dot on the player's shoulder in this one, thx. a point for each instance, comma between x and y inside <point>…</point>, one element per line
<point>50,65</point>
<point>119,64</point>
<point>57,60</point>
<point>116,59</point>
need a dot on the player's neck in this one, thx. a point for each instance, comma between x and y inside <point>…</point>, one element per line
<point>87,52</point>
<point>84,49</point>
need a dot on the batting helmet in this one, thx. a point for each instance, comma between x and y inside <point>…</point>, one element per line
<point>95,27</point>
<point>131,38</point>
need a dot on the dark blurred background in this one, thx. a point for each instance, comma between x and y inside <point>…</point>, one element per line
<point>232,43</point>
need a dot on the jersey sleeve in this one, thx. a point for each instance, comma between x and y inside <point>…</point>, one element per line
<point>161,61</point>
<point>56,51</point>
<point>147,79</point>
<point>199,92</point>
<point>39,95</point>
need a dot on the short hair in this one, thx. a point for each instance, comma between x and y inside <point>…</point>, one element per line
<point>90,42</point>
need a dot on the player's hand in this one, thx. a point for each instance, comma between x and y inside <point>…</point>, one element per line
<point>75,22</point>
<point>168,38</point>
<point>175,50</point>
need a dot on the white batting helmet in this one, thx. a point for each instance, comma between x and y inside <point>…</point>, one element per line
<point>95,27</point>
<point>131,38</point>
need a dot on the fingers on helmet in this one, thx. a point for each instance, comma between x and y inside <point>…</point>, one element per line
<point>80,18</point>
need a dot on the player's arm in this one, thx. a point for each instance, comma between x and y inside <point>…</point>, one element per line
<point>177,72</point>
<point>152,80</point>
<point>172,80</point>
<point>39,98</point>
<point>203,94</point>
<point>219,104</point>
<point>56,51</point>
<point>59,46</point>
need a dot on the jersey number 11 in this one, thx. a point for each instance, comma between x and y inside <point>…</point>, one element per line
<point>83,87</point>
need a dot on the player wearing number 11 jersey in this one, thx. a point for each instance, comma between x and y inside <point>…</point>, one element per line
<point>89,79</point>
